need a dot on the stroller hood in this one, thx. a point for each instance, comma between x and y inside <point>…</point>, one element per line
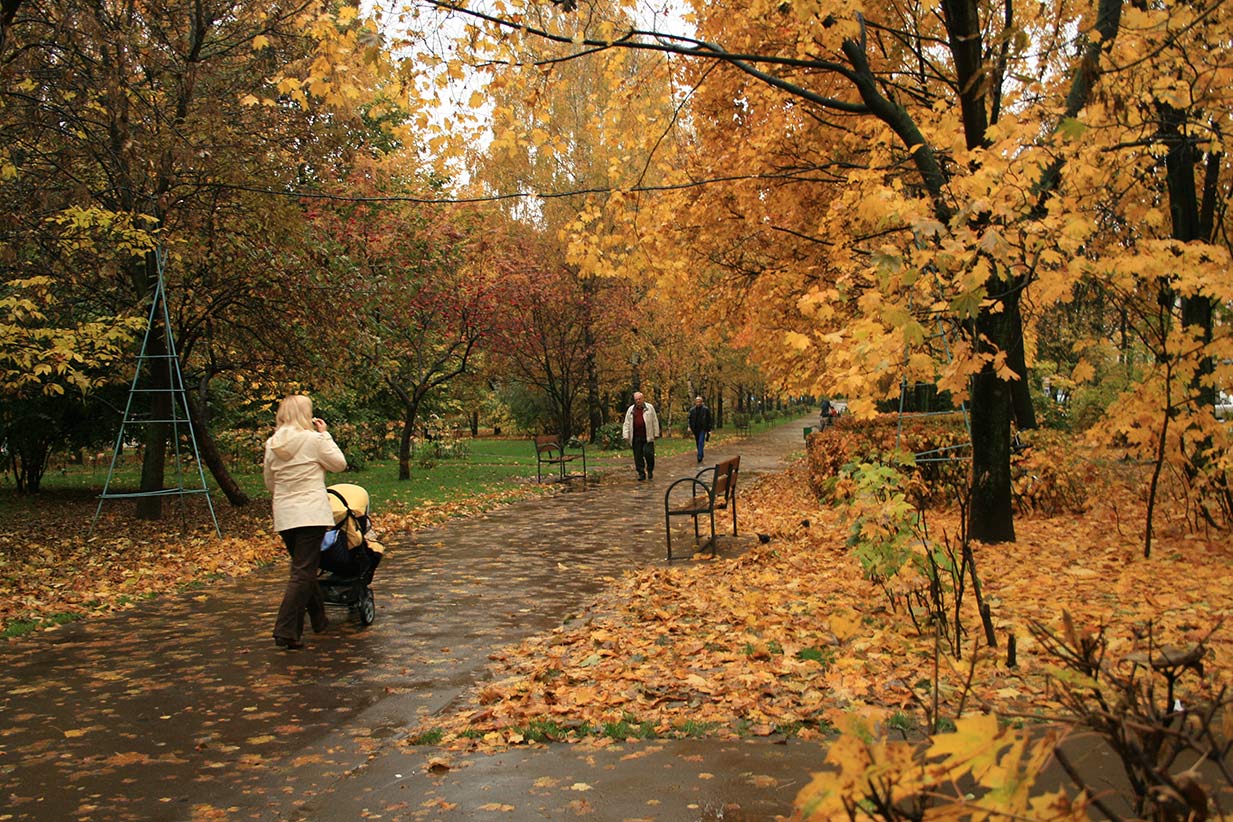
<point>356,497</point>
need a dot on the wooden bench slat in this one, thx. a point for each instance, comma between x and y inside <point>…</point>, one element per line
<point>549,451</point>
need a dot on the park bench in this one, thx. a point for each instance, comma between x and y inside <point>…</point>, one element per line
<point>696,496</point>
<point>742,424</point>
<point>550,452</point>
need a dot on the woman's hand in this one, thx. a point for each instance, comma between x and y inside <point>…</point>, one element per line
<point>319,424</point>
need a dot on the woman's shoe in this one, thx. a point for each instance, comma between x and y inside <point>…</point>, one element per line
<point>319,626</point>
<point>288,644</point>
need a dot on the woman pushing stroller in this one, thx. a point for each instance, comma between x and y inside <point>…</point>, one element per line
<point>296,459</point>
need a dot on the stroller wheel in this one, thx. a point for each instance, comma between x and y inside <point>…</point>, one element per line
<point>368,608</point>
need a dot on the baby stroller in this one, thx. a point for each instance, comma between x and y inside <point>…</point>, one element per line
<point>350,553</point>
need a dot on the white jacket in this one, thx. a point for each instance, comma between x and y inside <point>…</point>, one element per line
<point>648,416</point>
<point>294,469</point>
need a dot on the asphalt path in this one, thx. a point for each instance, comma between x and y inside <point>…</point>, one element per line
<point>182,709</point>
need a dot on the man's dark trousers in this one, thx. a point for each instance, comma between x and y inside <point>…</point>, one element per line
<point>644,457</point>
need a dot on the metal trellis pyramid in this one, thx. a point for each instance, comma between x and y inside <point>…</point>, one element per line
<point>179,403</point>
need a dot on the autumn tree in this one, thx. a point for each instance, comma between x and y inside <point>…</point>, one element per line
<point>566,134</point>
<point>541,338</point>
<point>1151,150</point>
<point>51,359</point>
<point>176,115</point>
<point>418,296</point>
<point>922,137</point>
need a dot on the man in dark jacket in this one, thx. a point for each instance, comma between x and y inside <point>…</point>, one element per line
<point>700,424</point>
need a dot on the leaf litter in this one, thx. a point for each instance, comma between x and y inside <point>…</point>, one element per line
<point>788,636</point>
<point>51,566</point>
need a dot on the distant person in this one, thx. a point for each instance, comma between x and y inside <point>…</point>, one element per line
<point>640,430</point>
<point>296,459</point>
<point>825,418</point>
<point>700,424</point>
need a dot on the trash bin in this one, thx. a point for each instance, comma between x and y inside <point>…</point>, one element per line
<point>808,431</point>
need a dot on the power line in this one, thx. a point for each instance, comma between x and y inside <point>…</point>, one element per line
<point>490,198</point>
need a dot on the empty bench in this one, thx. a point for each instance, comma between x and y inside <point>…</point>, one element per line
<point>710,490</point>
<point>549,452</point>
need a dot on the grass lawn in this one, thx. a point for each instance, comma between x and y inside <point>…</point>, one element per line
<point>490,465</point>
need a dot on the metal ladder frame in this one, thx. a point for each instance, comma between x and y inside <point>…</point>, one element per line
<point>177,393</point>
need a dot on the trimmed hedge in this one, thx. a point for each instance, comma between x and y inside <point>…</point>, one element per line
<point>1048,476</point>
<point>881,439</point>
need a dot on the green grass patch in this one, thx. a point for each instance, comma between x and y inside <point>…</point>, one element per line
<point>628,728</point>
<point>550,730</point>
<point>489,465</point>
<point>791,729</point>
<point>901,722</point>
<point>429,737</point>
<point>692,729</point>
<point>22,627</point>
<point>127,599</point>
<point>823,656</point>
<point>772,647</point>
<point>546,730</point>
<point>203,582</point>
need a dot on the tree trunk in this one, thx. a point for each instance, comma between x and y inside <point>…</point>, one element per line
<point>595,408</point>
<point>154,461</point>
<point>991,516</point>
<point>404,444</point>
<point>29,460</point>
<point>565,422</point>
<point>208,449</point>
<point>1189,219</point>
<point>1024,414</point>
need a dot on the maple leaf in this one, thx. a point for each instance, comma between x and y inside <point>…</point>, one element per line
<point>973,746</point>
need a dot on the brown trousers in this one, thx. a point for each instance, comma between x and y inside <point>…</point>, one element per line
<point>302,592</point>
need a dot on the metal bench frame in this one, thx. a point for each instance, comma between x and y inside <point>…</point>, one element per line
<point>705,498</point>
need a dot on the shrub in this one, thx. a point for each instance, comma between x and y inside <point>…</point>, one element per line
<point>1049,478</point>
<point>608,436</point>
<point>880,440</point>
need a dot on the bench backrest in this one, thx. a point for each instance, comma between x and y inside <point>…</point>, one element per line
<point>725,478</point>
<point>545,441</point>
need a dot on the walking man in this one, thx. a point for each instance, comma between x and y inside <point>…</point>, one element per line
<point>700,424</point>
<point>640,430</point>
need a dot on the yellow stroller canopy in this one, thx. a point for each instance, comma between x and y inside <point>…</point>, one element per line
<point>356,497</point>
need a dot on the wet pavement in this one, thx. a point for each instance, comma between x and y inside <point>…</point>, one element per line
<point>181,708</point>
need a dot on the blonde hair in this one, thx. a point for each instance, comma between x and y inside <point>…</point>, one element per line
<point>295,410</point>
